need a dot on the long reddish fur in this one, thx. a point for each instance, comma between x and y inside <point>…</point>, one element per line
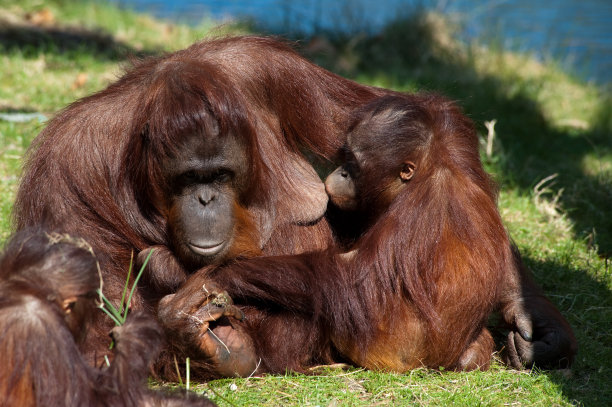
<point>423,278</point>
<point>94,171</point>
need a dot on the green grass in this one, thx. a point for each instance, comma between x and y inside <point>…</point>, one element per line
<point>548,122</point>
<point>361,388</point>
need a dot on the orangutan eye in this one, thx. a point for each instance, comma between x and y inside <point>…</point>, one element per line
<point>189,176</point>
<point>222,176</point>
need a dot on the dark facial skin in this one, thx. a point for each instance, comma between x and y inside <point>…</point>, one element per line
<point>77,311</point>
<point>340,187</point>
<point>205,177</point>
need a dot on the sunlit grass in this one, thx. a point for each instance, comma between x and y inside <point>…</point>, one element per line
<point>357,387</point>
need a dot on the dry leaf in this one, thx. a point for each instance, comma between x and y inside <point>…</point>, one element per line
<point>80,80</point>
<point>41,17</point>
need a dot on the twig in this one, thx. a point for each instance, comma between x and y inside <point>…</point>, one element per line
<point>490,125</point>
<point>219,339</point>
<point>253,372</point>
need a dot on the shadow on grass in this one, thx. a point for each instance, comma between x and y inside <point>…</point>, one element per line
<point>586,302</point>
<point>407,56</point>
<point>31,40</point>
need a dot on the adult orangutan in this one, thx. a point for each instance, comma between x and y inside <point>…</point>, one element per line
<point>48,288</point>
<point>195,154</point>
<point>198,154</point>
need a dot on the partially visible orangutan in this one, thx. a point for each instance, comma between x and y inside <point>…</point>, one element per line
<point>198,154</point>
<point>421,281</point>
<point>48,288</point>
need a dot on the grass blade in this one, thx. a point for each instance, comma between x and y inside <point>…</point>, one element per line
<point>127,280</point>
<point>187,374</point>
<point>110,314</point>
<point>129,300</point>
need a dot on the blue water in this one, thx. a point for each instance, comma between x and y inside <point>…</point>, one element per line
<point>577,33</point>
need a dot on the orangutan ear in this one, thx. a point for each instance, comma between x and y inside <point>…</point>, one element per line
<point>407,171</point>
<point>68,304</point>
